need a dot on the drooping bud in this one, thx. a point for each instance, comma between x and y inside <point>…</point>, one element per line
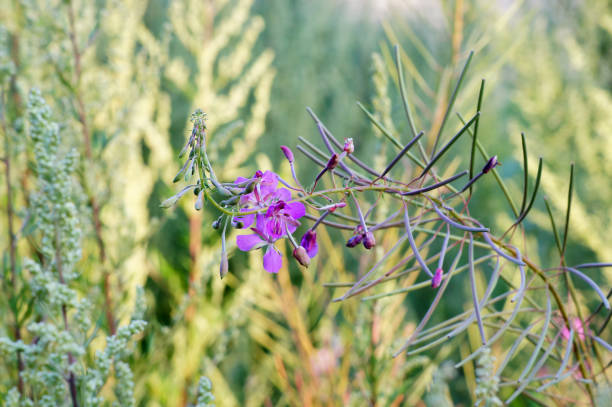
<point>369,241</point>
<point>301,256</point>
<point>199,202</point>
<point>437,278</point>
<point>492,163</point>
<point>355,240</point>
<point>349,147</point>
<point>217,223</point>
<point>333,162</point>
<point>169,202</point>
<point>288,153</point>
<point>174,199</point>
<point>239,224</point>
<point>224,266</point>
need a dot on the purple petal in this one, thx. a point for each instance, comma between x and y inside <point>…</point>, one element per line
<point>282,194</point>
<point>248,242</point>
<point>309,242</point>
<point>272,260</point>
<point>274,227</point>
<point>240,180</point>
<point>296,210</point>
<point>247,220</point>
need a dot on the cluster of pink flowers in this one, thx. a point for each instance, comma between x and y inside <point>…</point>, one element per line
<point>278,220</point>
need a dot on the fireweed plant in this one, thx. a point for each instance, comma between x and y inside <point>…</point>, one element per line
<point>522,309</point>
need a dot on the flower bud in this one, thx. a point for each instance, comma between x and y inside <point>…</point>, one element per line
<point>333,162</point>
<point>217,223</point>
<point>492,163</point>
<point>369,241</point>
<point>437,278</point>
<point>224,266</point>
<point>309,242</point>
<point>288,153</point>
<point>239,224</point>
<point>199,202</point>
<point>355,240</point>
<point>349,147</point>
<point>301,256</point>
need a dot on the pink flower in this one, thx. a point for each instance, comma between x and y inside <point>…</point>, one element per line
<point>282,217</point>
<point>263,193</point>
<point>272,259</point>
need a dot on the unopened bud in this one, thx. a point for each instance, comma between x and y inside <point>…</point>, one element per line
<point>217,223</point>
<point>224,266</point>
<point>301,256</point>
<point>333,162</point>
<point>196,191</point>
<point>288,153</point>
<point>169,202</point>
<point>492,163</point>
<point>437,278</point>
<point>199,202</point>
<point>349,147</point>
<point>239,224</point>
<point>355,240</point>
<point>369,241</point>
<point>250,187</point>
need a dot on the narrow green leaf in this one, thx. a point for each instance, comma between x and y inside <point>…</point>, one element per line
<point>475,136</point>
<point>451,102</point>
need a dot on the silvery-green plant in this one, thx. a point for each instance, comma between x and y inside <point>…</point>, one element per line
<point>58,355</point>
<point>442,240</point>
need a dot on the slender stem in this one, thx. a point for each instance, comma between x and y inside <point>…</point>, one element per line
<point>10,214</point>
<point>499,180</point>
<point>451,102</point>
<point>71,361</point>
<point>474,138</point>
<point>95,207</point>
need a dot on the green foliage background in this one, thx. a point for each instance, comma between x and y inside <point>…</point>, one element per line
<point>254,66</point>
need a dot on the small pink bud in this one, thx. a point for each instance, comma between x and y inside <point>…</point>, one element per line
<point>492,163</point>
<point>349,147</point>
<point>301,256</point>
<point>333,162</point>
<point>288,153</point>
<point>337,205</point>
<point>354,241</point>
<point>369,241</point>
<point>437,278</point>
